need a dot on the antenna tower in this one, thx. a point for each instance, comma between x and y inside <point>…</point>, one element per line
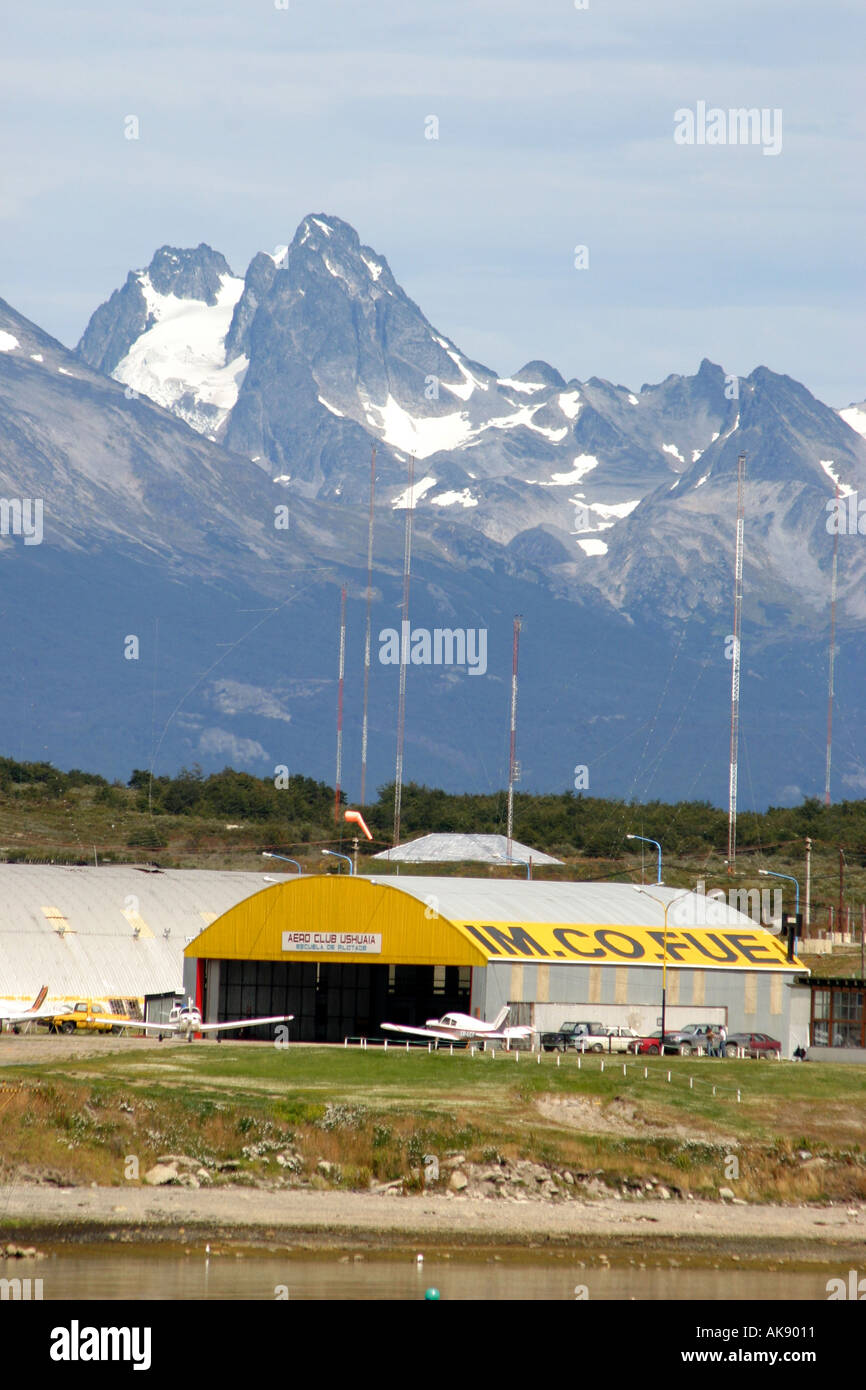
<point>735,664</point>
<point>340,703</point>
<point>832,665</point>
<point>512,765</point>
<point>367,633</point>
<point>404,650</point>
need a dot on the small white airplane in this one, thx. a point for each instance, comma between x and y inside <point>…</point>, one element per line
<point>38,1009</point>
<point>185,1020</point>
<point>462,1026</point>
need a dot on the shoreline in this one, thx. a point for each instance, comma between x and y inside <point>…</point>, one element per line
<point>334,1221</point>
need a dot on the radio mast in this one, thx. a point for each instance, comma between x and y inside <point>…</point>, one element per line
<point>735,664</point>
<point>404,650</point>
<point>367,634</point>
<point>833,587</point>
<point>340,703</point>
<point>513,769</point>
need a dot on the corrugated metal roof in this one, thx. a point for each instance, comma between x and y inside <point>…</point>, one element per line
<point>613,904</point>
<point>73,928</point>
<point>451,848</point>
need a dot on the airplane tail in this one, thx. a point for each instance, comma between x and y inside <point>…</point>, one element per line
<point>40,998</point>
<point>500,1018</point>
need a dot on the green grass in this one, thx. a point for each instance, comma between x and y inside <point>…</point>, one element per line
<point>374,1115</point>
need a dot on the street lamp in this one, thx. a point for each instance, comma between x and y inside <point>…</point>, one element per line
<point>647,841</point>
<point>335,855</point>
<point>284,857</point>
<point>666,908</point>
<point>771,873</point>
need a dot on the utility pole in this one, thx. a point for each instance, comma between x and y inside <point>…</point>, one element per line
<point>840,927</point>
<point>807,915</point>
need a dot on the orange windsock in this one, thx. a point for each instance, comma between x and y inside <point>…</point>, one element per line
<point>359,820</point>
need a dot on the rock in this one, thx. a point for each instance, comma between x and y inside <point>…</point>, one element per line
<point>664,1194</point>
<point>231,1165</point>
<point>161,1174</point>
<point>803,1154</point>
<point>458,1181</point>
<point>431,1168</point>
<point>325,1168</point>
<point>569,1178</point>
<point>726,1193</point>
<point>454,1161</point>
<point>739,1202</point>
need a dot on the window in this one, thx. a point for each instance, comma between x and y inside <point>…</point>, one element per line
<point>838,1017</point>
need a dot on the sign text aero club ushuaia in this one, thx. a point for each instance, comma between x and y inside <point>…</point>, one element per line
<point>355,943</point>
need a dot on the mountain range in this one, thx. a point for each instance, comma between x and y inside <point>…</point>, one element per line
<point>203,462</point>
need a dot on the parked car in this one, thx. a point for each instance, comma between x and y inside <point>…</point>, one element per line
<point>618,1040</point>
<point>568,1035</point>
<point>87,1016</point>
<point>756,1044</point>
<point>679,1043</point>
<point>651,1044</point>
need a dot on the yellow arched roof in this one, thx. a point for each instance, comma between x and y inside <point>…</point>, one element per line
<point>374,922</point>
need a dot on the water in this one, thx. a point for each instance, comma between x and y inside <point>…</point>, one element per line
<point>157,1274</point>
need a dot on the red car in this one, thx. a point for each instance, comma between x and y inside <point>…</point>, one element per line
<point>651,1044</point>
<point>756,1044</point>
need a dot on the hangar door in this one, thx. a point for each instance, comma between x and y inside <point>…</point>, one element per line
<point>332,1001</point>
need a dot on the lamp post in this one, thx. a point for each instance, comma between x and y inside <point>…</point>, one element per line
<point>792,935</point>
<point>647,841</point>
<point>665,908</point>
<point>770,873</point>
<point>284,857</point>
<point>334,855</point>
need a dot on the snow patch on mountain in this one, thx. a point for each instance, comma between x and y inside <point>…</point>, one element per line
<point>448,499</point>
<point>583,464</point>
<point>179,361</point>
<point>855,416</point>
<point>412,495</point>
<point>513,385</point>
<point>570,404</point>
<point>421,435</point>
<point>8,342</point>
<point>593,547</point>
<point>672,449</point>
<point>828,466</point>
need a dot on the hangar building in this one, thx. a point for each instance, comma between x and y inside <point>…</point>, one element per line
<point>345,953</point>
<point>115,933</point>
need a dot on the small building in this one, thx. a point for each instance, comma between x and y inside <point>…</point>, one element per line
<point>453,848</point>
<point>345,954</point>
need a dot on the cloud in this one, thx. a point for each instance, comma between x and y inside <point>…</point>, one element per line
<point>238,750</point>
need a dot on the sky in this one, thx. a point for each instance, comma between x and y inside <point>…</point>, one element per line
<point>555,124</point>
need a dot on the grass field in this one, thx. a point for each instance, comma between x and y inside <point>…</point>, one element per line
<point>373,1115</point>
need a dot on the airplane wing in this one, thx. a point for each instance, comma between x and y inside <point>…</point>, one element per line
<point>28,1015</point>
<point>243,1023</point>
<point>9,1013</point>
<point>420,1032</point>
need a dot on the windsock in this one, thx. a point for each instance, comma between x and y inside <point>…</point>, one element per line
<point>359,820</point>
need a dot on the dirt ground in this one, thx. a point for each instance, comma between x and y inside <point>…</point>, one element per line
<point>811,1234</point>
